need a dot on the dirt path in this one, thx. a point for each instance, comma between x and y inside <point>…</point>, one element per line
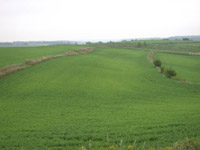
<point>4,71</point>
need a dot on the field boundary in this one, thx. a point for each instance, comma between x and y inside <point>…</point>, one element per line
<point>184,144</point>
<point>151,59</point>
<point>7,70</point>
<point>186,54</point>
<point>150,56</point>
<point>195,53</point>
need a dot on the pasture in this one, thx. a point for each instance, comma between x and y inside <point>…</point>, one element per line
<point>17,55</point>
<point>187,66</point>
<point>111,94</point>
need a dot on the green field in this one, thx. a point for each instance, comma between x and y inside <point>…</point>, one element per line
<point>113,92</point>
<point>187,66</point>
<point>16,55</point>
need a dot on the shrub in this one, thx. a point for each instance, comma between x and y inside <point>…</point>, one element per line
<point>157,63</point>
<point>186,39</point>
<point>162,69</point>
<point>139,45</point>
<point>169,72</point>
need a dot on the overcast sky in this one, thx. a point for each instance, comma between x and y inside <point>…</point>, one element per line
<point>30,20</point>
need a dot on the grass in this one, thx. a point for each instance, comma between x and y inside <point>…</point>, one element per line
<point>176,46</point>
<point>17,55</point>
<point>7,70</point>
<point>186,144</point>
<point>113,93</point>
<point>186,66</point>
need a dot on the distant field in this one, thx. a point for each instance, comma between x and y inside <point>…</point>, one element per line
<point>16,55</point>
<point>186,66</point>
<point>164,45</point>
<point>66,102</point>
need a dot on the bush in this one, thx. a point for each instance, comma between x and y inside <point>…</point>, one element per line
<point>169,72</point>
<point>157,63</point>
<point>162,69</point>
<point>186,39</point>
<point>139,45</point>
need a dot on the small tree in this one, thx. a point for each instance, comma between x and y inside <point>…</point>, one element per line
<point>185,39</point>
<point>139,44</point>
<point>88,43</point>
<point>170,72</point>
<point>157,63</point>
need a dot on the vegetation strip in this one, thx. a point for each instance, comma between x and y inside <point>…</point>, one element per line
<point>28,63</point>
<point>186,144</point>
<point>187,54</point>
<point>170,73</point>
<point>150,56</point>
<point>197,53</point>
